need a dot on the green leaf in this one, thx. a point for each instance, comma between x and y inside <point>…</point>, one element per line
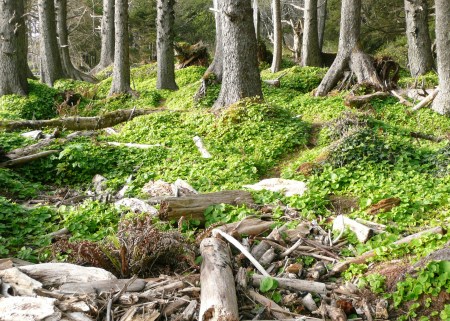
<point>267,284</point>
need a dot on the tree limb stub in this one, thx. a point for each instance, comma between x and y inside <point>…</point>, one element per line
<point>80,123</point>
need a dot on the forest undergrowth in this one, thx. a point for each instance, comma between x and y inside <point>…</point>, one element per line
<point>351,159</point>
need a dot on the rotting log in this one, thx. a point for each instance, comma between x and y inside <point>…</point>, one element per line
<point>359,101</point>
<point>342,266</point>
<point>295,284</point>
<point>194,206</point>
<point>80,123</point>
<point>218,293</point>
<point>27,159</point>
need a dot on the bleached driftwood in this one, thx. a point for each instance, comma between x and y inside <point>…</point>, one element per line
<point>80,123</point>
<point>342,266</point>
<point>401,99</point>
<point>287,186</point>
<point>27,308</point>
<point>263,246</point>
<point>201,147</point>
<point>35,134</point>
<point>194,206</point>
<point>76,316</point>
<point>56,274</point>
<point>19,281</point>
<point>188,313</point>
<point>295,284</point>
<point>27,159</point>
<point>137,206</point>
<point>218,293</point>
<point>133,145</point>
<point>248,226</point>
<point>102,286</point>
<point>174,306</point>
<point>426,100</point>
<point>363,233</point>
<point>309,303</point>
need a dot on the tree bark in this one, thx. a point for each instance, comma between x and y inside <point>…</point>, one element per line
<point>51,65</point>
<point>349,53</point>
<point>13,48</point>
<point>164,50</point>
<point>311,55</point>
<point>420,58</point>
<point>121,73</point>
<point>257,19</point>
<point>441,103</point>
<point>107,37</point>
<point>63,37</point>
<point>277,36</point>
<point>321,19</point>
<point>241,76</point>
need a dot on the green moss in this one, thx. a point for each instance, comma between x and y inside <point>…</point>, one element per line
<point>429,80</point>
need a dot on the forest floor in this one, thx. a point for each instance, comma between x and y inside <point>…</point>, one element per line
<point>364,163</point>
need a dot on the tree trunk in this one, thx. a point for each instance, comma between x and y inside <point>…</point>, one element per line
<point>216,66</point>
<point>311,55</point>
<point>165,56</point>
<point>107,46</point>
<point>13,49</point>
<point>51,65</point>
<point>63,37</point>
<point>321,19</point>
<point>241,76</point>
<point>441,103</point>
<point>348,50</point>
<point>121,72</point>
<point>420,58</point>
<point>277,36</point>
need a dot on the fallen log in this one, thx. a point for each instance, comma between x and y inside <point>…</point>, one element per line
<point>27,159</point>
<point>363,233</point>
<point>295,284</point>
<point>359,101</point>
<point>248,226</point>
<point>426,101</point>
<point>218,293</point>
<point>201,147</point>
<point>401,99</point>
<point>194,206</point>
<point>102,286</point>
<point>342,266</point>
<point>80,123</point>
<point>28,308</point>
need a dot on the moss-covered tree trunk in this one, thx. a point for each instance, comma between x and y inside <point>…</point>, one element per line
<point>121,72</point>
<point>51,65</point>
<point>241,76</point>
<point>13,48</point>
<point>311,54</point>
<point>63,38</point>
<point>420,59</point>
<point>441,103</point>
<point>107,37</point>
<point>164,45</point>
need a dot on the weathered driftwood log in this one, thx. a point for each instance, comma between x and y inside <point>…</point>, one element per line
<point>80,123</point>
<point>248,226</point>
<point>21,283</point>
<point>56,274</point>
<point>201,147</point>
<point>27,159</point>
<point>427,100</point>
<point>401,99</point>
<point>342,266</point>
<point>218,293</point>
<point>363,233</point>
<point>359,101</point>
<point>28,308</point>
<point>174,306</point>
<point>295,284</point>
<point>194,206</point>
<point>263,246</point>
<point>102,286</point>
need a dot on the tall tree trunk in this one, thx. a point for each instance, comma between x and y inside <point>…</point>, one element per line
<point>107,37</point>
<point>13,48</point>
<point>257,19</point>
<point>441,103</point>
<point>420,59</point>
<point>216,66</point>
<point>277,36</point>
<point>297,30</point>
<point>164,51</point>
<point>63,37</point>
<point>321,19</point>
<point>51,66</point>
<point>311,55</point>
<point>241,76</point>
<point>121,72</point>
<point>349,54</point>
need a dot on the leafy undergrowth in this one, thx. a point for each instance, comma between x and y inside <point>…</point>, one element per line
<point>364,156</point>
